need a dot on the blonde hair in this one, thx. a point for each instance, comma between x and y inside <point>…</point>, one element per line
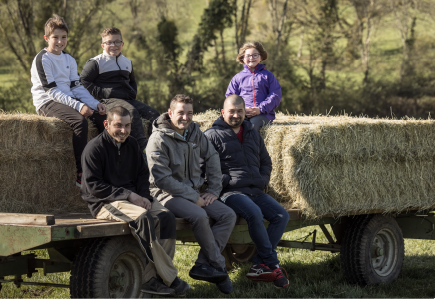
<point>54,23</point>
<point>251,45</point>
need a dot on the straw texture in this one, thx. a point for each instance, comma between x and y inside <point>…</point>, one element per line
<point>322,165</point>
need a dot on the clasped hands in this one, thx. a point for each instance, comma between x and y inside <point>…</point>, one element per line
<point>205,199</point>
<point>86,111</point>
<point>140,201</point>
<point>252,111</point>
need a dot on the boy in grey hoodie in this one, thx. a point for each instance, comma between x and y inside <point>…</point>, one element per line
<point>174,151</point>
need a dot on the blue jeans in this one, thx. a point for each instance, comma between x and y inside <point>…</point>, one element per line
<point>253,209</point>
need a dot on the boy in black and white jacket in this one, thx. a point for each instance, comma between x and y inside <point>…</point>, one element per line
<point>57,91</point>
<point>109,77</point>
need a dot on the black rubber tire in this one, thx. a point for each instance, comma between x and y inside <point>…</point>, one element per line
<point>111,267</point>
<point>372,251</point>
<point>238,254</point>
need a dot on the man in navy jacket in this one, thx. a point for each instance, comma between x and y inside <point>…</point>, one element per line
<point>246,168</point>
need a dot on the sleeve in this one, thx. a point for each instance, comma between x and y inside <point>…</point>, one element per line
<point>161,173</point>
<point>233,87</point>
<point>273,98</point>
<point>212,166</point>
<point>142,181</point>
<point>225,179</point>
<point>265,162</point>
<point>97,189</point>
<point>133,83</point>
<point>44,67</point>
<point>88,76</point>
<point>77,88</point>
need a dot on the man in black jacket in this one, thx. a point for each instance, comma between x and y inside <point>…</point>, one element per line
<point>109,77</point>
<point>115,185</point>
<point>246,168</point>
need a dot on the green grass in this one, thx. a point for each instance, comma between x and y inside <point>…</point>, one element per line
<point>311,274</point>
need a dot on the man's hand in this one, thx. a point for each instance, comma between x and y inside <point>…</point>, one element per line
<point>252,111</point>
<point>208,198</point>
<point>101,109</point>
<point>139,201</point>
<point>86,111</point>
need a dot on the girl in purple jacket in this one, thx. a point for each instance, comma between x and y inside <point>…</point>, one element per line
<point>256,85</point>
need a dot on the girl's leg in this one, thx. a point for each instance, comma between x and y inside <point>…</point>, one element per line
<point>259,121</point>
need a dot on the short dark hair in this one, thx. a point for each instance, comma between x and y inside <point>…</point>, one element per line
<point>118,110</point>
<point>54,23</point>
<point>235,100</point>
<point>110,31</point>
<point>180,98</point>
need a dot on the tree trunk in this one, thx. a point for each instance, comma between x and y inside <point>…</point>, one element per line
<point>223,46</point>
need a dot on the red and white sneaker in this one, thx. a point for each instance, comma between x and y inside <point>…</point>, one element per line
<point>281,281</point>
<point>261,273</point>
<point>79,180</point>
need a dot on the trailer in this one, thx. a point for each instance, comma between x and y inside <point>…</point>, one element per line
<point>105,260</point>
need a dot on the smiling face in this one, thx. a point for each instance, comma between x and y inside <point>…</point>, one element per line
<point>233,113</point>
<point>119,127</point>
<point>57,41</point>
<point>181,116</point>
<point>109,44</point>
<point>252,58</point>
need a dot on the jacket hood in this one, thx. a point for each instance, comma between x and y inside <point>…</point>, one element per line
<point>163,124</point>
<point>258,68</point>
<point>220,122</point>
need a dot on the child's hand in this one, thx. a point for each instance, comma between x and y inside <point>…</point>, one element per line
<point>101,109</point>
<point>252,111</point>
<point>86,111</point>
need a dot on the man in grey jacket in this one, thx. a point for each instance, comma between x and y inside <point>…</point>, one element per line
<point>174,151</point>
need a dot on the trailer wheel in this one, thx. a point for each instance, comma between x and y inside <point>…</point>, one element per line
<point>111,267</point>
<point>239,254</point>
<point>373,250</point>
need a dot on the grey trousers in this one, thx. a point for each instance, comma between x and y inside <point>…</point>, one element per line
<point>211,239</point>
<point>138,110</point>
<point>258,121</point>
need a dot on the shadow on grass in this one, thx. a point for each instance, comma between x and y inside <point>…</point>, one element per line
<point>319,279</point>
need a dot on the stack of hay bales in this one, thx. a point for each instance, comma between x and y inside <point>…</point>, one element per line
<point>344,165</point>
<point>322,165</point>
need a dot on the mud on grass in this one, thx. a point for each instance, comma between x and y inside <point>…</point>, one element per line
<point>311,274</point>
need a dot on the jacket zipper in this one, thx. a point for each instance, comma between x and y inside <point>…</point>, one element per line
<point>253,85</point>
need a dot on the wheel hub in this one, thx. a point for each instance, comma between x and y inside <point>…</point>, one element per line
<point>384,252</point>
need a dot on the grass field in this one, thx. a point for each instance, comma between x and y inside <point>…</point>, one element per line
<point>311,274</point>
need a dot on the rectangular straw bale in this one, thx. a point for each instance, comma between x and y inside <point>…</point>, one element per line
<point>37,165</point>
<point>352,166</point>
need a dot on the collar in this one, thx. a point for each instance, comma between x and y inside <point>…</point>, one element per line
<point>220,122</point>
<point>258,68</point>
<point>105,54</point>
<point>111,140</point>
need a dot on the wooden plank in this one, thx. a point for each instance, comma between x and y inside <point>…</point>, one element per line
<point>103,230</point>
<point>27,219</point>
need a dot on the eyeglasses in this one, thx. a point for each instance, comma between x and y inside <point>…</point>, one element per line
<point>115,43</point>
<point>254,56</point>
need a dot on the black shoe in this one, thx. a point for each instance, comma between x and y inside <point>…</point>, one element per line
<point>225,286</point>
<point>207,273</point>
<point>180,286</point>
<point>155,287</point>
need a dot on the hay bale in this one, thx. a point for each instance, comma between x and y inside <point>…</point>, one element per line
<point>323,165</point>
<point>37,166</point>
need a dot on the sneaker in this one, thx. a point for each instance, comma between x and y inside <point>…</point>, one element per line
<point>155,287</point>
<point>79,180</point>
<point>207,273</point>
<point>261,273</point>
<point>225,286</point>
<point>281,281</point>
<point>180,286</point>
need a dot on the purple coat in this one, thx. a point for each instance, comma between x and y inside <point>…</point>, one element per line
<point>266,93</point>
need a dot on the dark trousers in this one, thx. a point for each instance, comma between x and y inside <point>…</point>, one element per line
<point>254,209</point>
<point>258,121</point>
<point>77,122</point>
<point>138,110</point>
